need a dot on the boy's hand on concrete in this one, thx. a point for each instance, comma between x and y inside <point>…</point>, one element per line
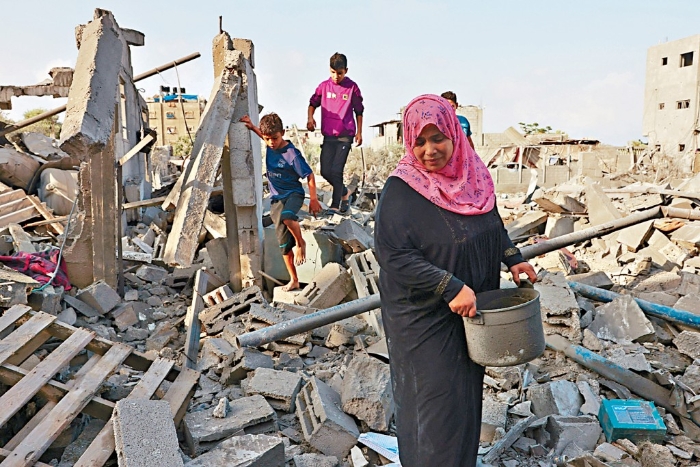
<point>464,304</point>
<point>248,124</point>
<point>311,124</point>
<point>314,207</point>
<point>523,268</point>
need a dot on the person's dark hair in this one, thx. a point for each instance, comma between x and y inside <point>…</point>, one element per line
<point>339,61</point>
<point>450,96</point>
<point>271,124</point>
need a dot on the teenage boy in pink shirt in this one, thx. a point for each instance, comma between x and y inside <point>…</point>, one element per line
<point>341,102</point>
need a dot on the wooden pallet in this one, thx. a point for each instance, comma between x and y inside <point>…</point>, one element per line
<point>29,330</point>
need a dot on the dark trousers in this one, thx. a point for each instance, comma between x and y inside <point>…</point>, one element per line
<point>334,154</point>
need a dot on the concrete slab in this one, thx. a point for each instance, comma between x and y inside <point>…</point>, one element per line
<point>280,388</point>
<point>688,343</point>
<point>555,398</point>
<point>244,360</point>
<point>580,431</point>
<point>328,288</point>
<point>622,321</point>
<point>244,451</point>
<point>253,415</point>
<point>144,434</point>
<point>315,460</point>
<point>100,296</point>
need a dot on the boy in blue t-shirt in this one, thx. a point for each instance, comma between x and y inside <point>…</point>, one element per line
<point>285,166</point>
<point>451,97</point>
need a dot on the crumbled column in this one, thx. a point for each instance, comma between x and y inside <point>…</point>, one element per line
<point>324,425</point>
<point>367,392</point>
<point>328,288</point>
<point>280,388</point>
<point>244,451</point>
<point>100,296</point>
<point>555,398</point>
<point>244,360</point>
<point>250,414</point>
<point>144,434</point>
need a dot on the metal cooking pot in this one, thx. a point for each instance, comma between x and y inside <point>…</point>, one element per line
<point>507,329</point>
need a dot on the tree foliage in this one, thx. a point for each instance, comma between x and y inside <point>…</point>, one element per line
<point>182,147</point>
<point>534,128</point>
<point>49,126</point>
<point>4,118</point>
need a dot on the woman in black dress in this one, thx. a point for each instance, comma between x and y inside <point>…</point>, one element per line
<point>439,240</point>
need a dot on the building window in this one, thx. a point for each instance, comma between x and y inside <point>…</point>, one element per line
<point>686,59</point>
<point>683,104</point>
<point>171,130</point>
<point>681,147</point>
<point>664,61</point>
<point>661,106</point>
<point>658,148</point>
<point>151,115</point>
<point>189,114</point>
<point>170,115</point>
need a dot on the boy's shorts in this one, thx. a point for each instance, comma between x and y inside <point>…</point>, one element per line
<point>281,210</point>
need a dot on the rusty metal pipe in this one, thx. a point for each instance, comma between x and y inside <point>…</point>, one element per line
<point>58,110</point>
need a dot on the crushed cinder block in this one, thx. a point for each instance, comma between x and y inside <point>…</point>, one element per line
<point>252,414</point>
<point>151,273</point>
<point>280,388</point>
<point>48,300</point>
<point>559,308</point>
<point>315,460</point>
<point>567,432</point>
<point>124,316</point>
<point>144,434</point>
<point>343,332</point>
<point>260,316</point>
<point>324,425</point>
<point>216,318</point>
<point>367,392</point>
<point>100,297</point>
<point>214,350</point>
<point>555,398</point>
<point>621,320</point>
<point>353,236</point>
<point>244,451</point>
<point>244,360</point>
<point>328,288</point>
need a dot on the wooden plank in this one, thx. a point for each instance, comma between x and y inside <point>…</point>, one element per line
<point>24,334</point>
<point>46,214</point>
<point>102,446</point>
<point>136,149</point>
<point>46,222</point>
<point>20,216</point>
<point>29,348</point>
<point>5,452</point>
<point>12,315</point>
<point>10,196</point>
<point>31,449</point>
<point>194,326</point>
<point>180,393</point>
<point>508,440</point>
<point>144,203</point>
<point>20,239</point>
<point>18,395</point>
<point>12,206</point>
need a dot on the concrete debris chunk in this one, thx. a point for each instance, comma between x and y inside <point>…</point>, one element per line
<point>244,361</point>
<point>621,321</point>
<point>367,392</point>
<point>343,332</point>
<point>353,236</point>
<point>100,297</point>
<point>280,388</point>
<point>260,316</point>
<point>251,414</point>
<point>216,318</point>
<point>328,288</point>
<point>151,273</point>
<point>567,432</point>
<point>214,350</point>
<point>559,308</point>
<point>688,343</point>
<point>315,460</point>
<point>494,415</point>
<point>555,398</point>
<point>324,425</point>
<point>244,451</point>
<point>144,433</point>
<point>222,408</point>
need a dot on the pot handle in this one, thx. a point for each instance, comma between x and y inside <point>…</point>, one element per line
<point>478,319</point>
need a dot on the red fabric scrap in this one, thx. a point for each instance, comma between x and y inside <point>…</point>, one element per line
<point>39,266</point>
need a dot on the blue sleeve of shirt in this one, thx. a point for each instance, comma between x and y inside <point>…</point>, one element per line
<point>301,166</point>
<point>465,125</point>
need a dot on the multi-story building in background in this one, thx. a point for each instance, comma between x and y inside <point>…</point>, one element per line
<point>174,114</point>
<point>672,97</point>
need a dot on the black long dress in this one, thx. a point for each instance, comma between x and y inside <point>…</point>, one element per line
<point>426,255</point>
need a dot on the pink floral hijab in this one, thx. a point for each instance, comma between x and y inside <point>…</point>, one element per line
<point>464,185</point>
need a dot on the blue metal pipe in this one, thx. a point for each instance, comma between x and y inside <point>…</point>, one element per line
<point>654,309</point>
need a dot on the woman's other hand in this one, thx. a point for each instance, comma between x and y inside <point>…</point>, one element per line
<point>464,304</point>
<point>523,268</point>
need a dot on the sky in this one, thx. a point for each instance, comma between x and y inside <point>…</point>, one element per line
<point>575,66</point>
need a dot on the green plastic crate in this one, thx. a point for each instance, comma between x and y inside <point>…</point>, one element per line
<point>632,419</point>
